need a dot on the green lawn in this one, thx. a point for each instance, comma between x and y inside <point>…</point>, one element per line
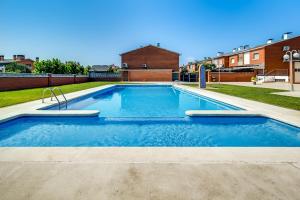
<point>8,98</point>
<point>257,94</point>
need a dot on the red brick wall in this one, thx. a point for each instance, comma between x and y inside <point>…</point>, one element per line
<point>150,75</point>
<point>261,59</point>
<point>226,61</point>
<point>18,83</point>
<point>231,76</point>
<point>235,59</point>
<point>274,54</point>
<point>106,79</point>
<point>155,58</point>
<point>81,79</point>
<point>54,81</point>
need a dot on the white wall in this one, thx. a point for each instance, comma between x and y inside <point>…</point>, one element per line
<point>247,58</point>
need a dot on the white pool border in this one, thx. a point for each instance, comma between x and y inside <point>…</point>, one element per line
<point>155,154</point>
<point>252,108</point>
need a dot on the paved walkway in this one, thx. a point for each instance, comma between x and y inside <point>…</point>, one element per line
<point>290,94</point>
<point>273,85</point>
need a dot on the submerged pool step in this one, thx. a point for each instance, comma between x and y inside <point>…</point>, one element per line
<point>197,113</point>
<point>53,113</point>
<point>64,113</point>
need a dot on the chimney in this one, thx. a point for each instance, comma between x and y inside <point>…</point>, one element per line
<point>37,59</point>
<point>20,57</point>
<point>241,48</point>
<point>14,57</point>
<point>269,41</point>
<point>1,57</point>
<point>220,53</point>
<point>286,35</point>
<point>234,50</point>
<point>246,46</point>
<point>158,44</point>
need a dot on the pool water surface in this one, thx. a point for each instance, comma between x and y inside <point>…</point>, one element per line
<point>145,101</point>
<point>140,116</point>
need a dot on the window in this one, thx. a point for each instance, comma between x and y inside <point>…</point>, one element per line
<point>286,48</point>
<point>255,56</point>
<point>240,59</point>
<point>232,60</point>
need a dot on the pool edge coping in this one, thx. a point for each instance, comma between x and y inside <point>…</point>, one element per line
<point>196,91</point>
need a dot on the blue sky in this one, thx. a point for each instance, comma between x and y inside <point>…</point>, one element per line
<point>97,31</point>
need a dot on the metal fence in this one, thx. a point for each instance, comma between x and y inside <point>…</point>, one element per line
<point>38,75</point>
<point>22,75</point>
<point>105,75</point>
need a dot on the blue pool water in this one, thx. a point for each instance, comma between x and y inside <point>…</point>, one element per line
<point>147,116</point>
<point>145,101</point>
<point>201,131</point>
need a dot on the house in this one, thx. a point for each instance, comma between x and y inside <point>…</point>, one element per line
<point>102,68</point>
<point>192,67</point>
<point>265,59</point>
<point>150,63</point>
<point>20,59</point>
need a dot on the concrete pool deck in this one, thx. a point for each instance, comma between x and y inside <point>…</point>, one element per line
<point>152,173</point>
<point>149,173</point>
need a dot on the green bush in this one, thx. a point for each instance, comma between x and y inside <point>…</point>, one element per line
<point>17,68</point>
<point>55,66</point>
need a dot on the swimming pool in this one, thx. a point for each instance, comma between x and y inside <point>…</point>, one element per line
<point>145,101</point>
<point>151,116</point>
<point>188,132</point>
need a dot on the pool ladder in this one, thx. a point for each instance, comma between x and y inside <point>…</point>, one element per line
<point>54,95</point>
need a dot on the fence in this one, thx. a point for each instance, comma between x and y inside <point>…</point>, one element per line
<point>230,76</point>
<point>189,77</point>
<point>148,75</point>
<point>16,81</point>
<point>105,76</point>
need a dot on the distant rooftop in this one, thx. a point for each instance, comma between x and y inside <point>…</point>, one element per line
<point>268,43</point>
<point>101,68</point>
<point>156,46</point>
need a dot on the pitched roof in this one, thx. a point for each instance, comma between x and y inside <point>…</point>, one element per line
<point>100,68</point>
<point>148,47</point>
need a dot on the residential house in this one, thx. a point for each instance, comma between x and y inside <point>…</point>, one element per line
<point>20,59</point>
<point>266,59</point>
<point>102,68</point>
<point>150,63</point>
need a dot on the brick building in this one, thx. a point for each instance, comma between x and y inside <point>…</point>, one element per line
<point>20,59</point>
<point>150,63</point>
<point>266,59</point>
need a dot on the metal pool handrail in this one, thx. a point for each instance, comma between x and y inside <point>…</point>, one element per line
<point>53,94</point>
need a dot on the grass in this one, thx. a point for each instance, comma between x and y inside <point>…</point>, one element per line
<point>8,98</point>
<point>257,94</point>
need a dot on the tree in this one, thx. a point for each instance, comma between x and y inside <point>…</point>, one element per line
<point>207,65</point>
<point>55,66</point>
<point>113,69</point>
<point>17,68</point>
<point>86,70</point>
<point>73,67</point>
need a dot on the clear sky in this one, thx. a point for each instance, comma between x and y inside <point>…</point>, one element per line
<point>97,31</point>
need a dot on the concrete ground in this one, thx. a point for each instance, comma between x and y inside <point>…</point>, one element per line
<point>273,85</point>
<point>149,173</point>
<point>152,173</point>
<point>290,93</point>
